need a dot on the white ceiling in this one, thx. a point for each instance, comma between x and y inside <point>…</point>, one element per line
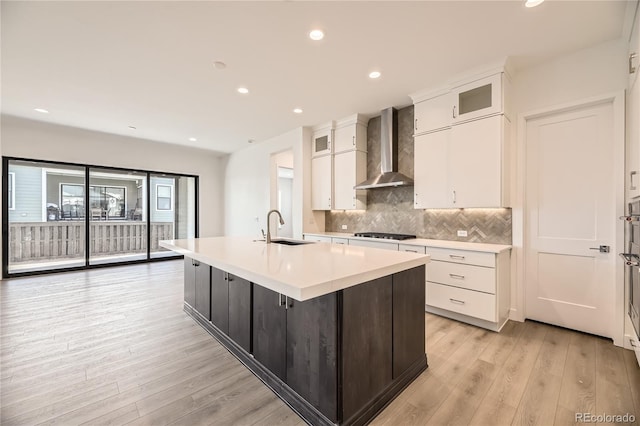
<point>109,65</point>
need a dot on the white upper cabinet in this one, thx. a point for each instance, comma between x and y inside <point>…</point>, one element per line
<point>431,154</point>
<point>350,134</point>
<point>433,114</point>
<point>349,169</point>
<point>464,166</point>
<point>478,155</point>
<point>339,162</point>
<point>477,99</point>
<point>322,183</point>
<point>479,96</point>
<point>322,139</point>
<point>461,136</point>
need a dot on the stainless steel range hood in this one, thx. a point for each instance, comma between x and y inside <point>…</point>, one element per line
<point>389,175</point>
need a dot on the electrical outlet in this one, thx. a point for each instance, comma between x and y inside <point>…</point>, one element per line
<point>257,219</point>
<point>462,233</point>
<point>344,227</point>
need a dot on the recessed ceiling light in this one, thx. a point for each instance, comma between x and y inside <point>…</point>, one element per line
<point>193,139</point>
<point>297,110</point>
<point>243,90</point>
<point>532,3</point>
<point>316,35</point>
<point>133,127</point>
<point>374,74</point>
<point>219,65</point>
<point>42,110</point>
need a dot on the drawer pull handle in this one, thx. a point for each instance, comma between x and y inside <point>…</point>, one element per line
<point>456,301</point>
<point>456,276</point>
<point>456,256</point>
<point>633,343</point>
<point>412,251</point>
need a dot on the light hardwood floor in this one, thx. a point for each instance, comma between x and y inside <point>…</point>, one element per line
<point>113,346</point>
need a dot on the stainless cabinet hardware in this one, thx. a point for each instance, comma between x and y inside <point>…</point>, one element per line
<point>456,276</point>
<point>453,114</point>
<point>416,124</point>
<point>226,276</point>
<point>632,187</point>
<point>633,343</point>
<point>632,56</point>
<point>416,199</point>
<point>412,251</point>
<point>601,249</point>
<point>631,218</point>
<point>630,259</point>
<point>288,302</point>
<point>456,256</point>
<point>454,197</point>
<point>456,301</point>
<point>281,301</point>
<point>354,140</point>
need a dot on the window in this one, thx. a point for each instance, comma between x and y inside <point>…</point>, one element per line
<point>12,191</point>
<point>71,201</point>
<point>163,197</point>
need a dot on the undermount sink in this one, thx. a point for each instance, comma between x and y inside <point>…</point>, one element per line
<point>291,242</point>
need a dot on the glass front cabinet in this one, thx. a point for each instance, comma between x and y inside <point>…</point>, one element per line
<point>478,98</point>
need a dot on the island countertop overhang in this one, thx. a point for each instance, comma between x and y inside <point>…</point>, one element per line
<point>301,272</point>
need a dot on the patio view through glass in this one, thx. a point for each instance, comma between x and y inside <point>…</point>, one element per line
<point>55,223</point>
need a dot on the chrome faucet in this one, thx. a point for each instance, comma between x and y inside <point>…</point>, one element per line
<point>269,224</point>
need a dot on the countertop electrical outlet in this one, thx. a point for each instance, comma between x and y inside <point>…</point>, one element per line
<point>462,233</point>
<point>344,227</point>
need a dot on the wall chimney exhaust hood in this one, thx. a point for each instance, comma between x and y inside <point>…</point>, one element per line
<point>389,175</point>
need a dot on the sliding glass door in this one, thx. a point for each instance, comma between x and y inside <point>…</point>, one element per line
<point>173,207</point>
<point>117,216</point>
<point>45,208</point>
<point>61,216</point>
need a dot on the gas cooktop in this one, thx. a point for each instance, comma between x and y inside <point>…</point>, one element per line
<point>384,235</point>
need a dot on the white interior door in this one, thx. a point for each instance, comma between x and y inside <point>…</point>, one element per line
<point>570,212</point>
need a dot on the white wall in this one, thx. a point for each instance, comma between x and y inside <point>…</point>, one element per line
<point>44,141</point>
<point>583,74</point>
<point>248,186</point>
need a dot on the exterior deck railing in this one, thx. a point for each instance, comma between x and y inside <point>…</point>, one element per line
<point>36,241</point>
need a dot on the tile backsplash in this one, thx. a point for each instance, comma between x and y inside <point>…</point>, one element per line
<point>391,209</point>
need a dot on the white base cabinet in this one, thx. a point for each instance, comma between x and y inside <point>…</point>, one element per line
<point>468,286</point>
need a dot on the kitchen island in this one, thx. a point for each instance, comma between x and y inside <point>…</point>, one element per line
<point>335,331</point>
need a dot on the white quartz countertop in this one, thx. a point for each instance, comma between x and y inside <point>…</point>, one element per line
<point>301,272</point>
<point>457,245</point>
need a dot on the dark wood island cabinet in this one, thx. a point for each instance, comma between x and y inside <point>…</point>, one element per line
<point>338,358</point>
<point>336,331</point>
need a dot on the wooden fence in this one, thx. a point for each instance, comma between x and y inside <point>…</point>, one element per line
<point>37,241</point>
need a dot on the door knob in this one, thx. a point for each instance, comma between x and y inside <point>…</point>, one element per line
<point>601,249</point>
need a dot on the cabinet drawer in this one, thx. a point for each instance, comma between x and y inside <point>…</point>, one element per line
<point>466,302</point>
<point>412,249</point>
<point>338,240</point>
<point>374,244</point>
<point>317,238</point>
<point>463,256</point>
<point>471,277</point>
